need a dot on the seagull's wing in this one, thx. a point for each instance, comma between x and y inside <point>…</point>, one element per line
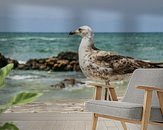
<point>119,64</point>
<point>94,48</point>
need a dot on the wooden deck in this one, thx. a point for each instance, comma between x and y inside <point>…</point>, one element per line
<point>57,121</point>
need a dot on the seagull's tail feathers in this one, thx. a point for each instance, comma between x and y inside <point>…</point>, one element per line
<point>157,65</point>
<point>149,64</point>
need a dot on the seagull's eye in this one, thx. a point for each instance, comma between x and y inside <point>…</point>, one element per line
<point>80,29</point>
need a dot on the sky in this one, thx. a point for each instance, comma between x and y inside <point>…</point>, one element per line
<point>66,15</point>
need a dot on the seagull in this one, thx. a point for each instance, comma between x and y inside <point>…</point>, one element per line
<point>102,65</point>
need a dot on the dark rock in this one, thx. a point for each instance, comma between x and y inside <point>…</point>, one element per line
<point>68,56</point>
<point>68,82</point>
<point>61,64</point>
<point>4,61</point>
<point>42,67</point>
<point>41,61</point>
<point>59,85</point>
<point>65,61</point>
<point>77,67</point>
<point>69,68</point>
<point>21,66</point>
<point>31,62</point>
<point>51,59</point>
<point>15,62</point>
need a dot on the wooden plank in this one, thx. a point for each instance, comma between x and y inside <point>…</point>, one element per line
<point>127,120</point>
<point>98,91</point>
<point>150,88</point>
<point>119,119</point>
<point>156,123</point>
<point>113,94</point>
<point>146,109</point>
<point>94,121</point>
<point>99,85</point>
<point>160,98</point>
<point>124,125</point>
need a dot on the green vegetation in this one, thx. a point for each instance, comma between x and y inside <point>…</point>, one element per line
<point>19,99</point>
<point>4,72</point>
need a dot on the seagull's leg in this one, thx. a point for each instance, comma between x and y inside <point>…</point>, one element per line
<point>106,90</point>
<point>106,93</point>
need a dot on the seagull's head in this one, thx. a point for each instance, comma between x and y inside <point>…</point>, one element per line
<point>83,31</point>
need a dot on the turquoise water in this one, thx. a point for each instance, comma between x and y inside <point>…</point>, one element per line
<point>23,46</point>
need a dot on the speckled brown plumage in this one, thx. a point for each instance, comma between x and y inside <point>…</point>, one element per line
<point>102,65</point>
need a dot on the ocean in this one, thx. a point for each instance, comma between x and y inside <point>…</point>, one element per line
<point>24,46</point>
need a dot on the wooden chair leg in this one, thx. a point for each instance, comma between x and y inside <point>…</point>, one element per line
<point>98,91</point>
<point>94,122</point>
<point>113,94</point>
<point>160,98</point>
<point>146,109</point>
<point>124,125</point>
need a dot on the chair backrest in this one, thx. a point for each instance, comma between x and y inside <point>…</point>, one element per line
<point>147,77</point>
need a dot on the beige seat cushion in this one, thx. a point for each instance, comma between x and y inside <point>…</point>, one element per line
<point>125,110</point>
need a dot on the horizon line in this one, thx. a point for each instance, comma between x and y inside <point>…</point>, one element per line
<point>68,32</point>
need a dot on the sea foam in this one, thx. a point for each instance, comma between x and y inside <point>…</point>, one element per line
<point>20,77</point>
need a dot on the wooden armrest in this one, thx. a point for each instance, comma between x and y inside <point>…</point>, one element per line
<point>100,85</point>
<point>148,88</point>
<point>148,101</point>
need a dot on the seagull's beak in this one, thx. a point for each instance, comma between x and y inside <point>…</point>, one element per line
<point>71,33</point>
<point>76,32</point>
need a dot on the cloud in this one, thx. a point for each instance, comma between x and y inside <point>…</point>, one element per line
<point>64,15</point>
<point>127,6</point>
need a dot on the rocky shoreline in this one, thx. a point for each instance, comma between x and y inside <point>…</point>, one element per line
<point>4,61</point>
<point>64,61</point>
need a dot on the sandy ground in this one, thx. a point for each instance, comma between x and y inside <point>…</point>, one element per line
<point>38,107</point>
<point>57,106</point>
